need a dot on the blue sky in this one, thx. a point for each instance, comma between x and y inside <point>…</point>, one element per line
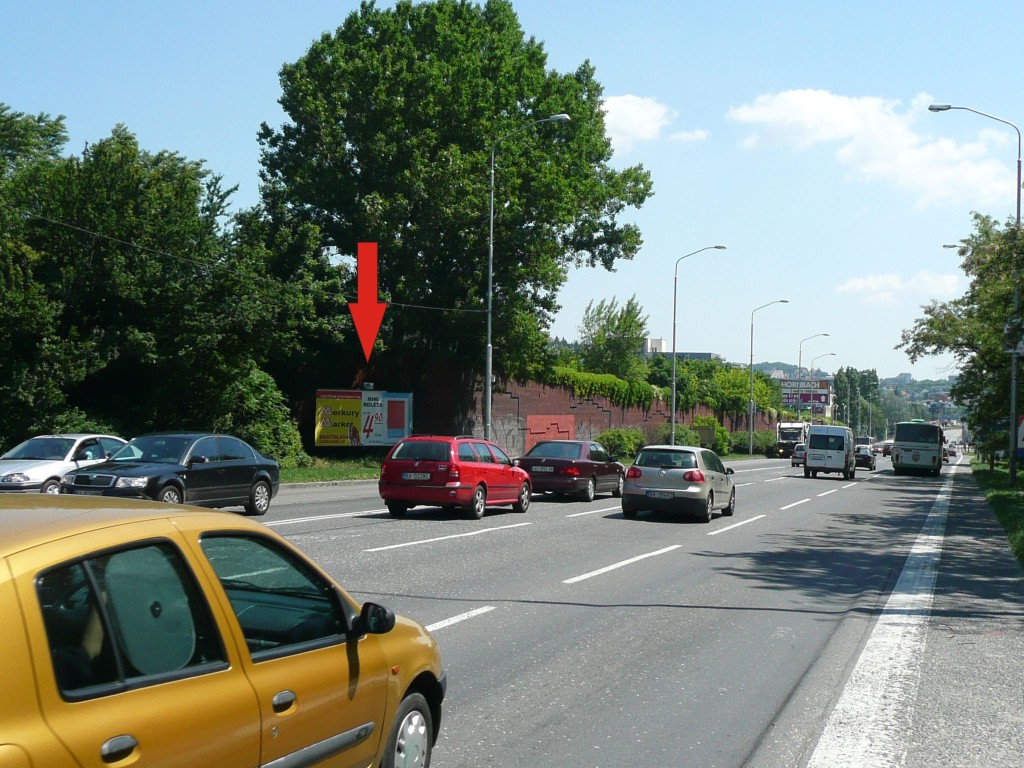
<point>795,133</point>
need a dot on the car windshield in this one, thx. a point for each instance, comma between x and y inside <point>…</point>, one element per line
<point>41,449</point>
<point>556,451</point>
<point>156,449</point>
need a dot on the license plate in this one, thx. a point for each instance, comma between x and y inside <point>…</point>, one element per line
<point>659,494</point>
<point>88,493</point>
<point>815,457</point>
<point>415,475</point>
<point>543,469</point>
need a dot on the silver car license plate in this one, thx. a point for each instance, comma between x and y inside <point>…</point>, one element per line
<point>659,494</point>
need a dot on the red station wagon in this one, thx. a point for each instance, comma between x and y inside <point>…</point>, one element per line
<point>467,472</point>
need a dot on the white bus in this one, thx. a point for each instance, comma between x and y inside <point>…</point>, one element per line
<point>917,447</point>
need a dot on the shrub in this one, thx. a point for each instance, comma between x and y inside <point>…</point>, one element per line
<point>764,440</point>
<point>623,443</point>
<point>721,442</point>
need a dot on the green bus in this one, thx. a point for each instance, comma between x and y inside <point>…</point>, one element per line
<point>917,447</point>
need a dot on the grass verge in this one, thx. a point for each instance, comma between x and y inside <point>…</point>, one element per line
<point>323,471</point>
<point>1006,502</point>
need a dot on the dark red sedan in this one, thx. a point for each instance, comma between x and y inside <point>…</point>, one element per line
<point>579,467</point>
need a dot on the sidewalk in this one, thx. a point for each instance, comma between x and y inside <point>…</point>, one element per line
<point>970,702</point>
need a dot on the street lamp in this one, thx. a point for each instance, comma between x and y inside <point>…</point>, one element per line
<point>750,413</point>
<point>800,369</point>
<point>1016,290</point>
<point>675,280</point>
<point>488,375</point>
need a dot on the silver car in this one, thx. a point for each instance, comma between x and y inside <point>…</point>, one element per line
<point>678,478</point>
<point>38,464</point>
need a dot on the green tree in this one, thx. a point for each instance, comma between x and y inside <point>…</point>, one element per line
<point>612,338</point>
<point>977,327</point>
<point>392,120</point>
<point>150,316</point>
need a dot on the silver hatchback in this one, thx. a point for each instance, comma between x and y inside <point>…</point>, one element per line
<point>678,478</point>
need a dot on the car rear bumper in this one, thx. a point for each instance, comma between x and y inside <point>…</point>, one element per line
<point>429,495</point>
<point>681,501</point>
<point>542,483</point>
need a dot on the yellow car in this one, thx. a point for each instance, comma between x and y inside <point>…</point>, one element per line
<point>145,634</point>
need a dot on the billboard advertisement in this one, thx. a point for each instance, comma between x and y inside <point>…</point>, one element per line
<point>812,395</point>
<point>354,417</point>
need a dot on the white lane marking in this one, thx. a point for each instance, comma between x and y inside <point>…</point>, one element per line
<point>461,617</point>
<point>826,493</point>
<point>758,469</point>
<point>292,521</point>
<point>849,485</point>
<point>445,538</point>
<point>735,525</point>
<point>794,504</point>
<point>612,567</point>
<point>870,724</point>
<point>740,485</point>
<point>772,480</point>
<point>593,511</point>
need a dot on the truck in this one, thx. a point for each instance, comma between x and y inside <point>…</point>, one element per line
<point>787,435</point>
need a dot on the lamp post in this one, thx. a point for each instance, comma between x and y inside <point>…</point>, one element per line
<point>813,359</point>
<point>1016,290</point>
<point>675,280</point>
<point>750,411</point>
<point>800,369</point>
<point>488,371</point>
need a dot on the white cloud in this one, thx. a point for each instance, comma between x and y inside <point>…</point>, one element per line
<point>889,288</point>
<point>878,140</point>
<point>630,119</point>
<point>697,135</point>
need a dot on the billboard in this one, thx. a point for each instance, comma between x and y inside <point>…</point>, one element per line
<point>812,395</point>
<point>354,417</point>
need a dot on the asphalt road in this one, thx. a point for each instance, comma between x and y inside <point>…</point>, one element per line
<point>574,637</point>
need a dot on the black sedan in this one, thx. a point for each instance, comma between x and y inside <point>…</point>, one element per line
<point>863,457</point>
<point>208,470</point>
<point>579,467</point>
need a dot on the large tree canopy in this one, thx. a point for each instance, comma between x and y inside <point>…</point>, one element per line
<point>392,120</point>
<point>978,327</point>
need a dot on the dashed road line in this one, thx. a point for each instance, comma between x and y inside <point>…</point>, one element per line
<point>594,511</point>
<point>445,538</point>
<point>735,525</point>
<point>461,617</point>
<point>826,493</point>
<point>614,566</point>
<point>794,504</point>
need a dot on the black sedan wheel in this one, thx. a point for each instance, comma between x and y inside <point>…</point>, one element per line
<point>169,494</point>
<point>587,494</point>
<point>259,499</point>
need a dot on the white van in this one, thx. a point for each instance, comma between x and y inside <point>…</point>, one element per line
<point>830,449</point>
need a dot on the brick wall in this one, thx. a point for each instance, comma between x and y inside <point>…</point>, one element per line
<point>523,413</point>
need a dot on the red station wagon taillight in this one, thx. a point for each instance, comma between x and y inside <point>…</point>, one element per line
<point>633,473</point>
<point>453,473</point>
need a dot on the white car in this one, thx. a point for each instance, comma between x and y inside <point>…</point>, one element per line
<point>38,464</point>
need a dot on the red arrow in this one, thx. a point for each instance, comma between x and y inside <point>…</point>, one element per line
<point>367,312</point>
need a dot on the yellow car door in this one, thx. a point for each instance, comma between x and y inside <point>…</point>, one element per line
<point>322,694</point>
